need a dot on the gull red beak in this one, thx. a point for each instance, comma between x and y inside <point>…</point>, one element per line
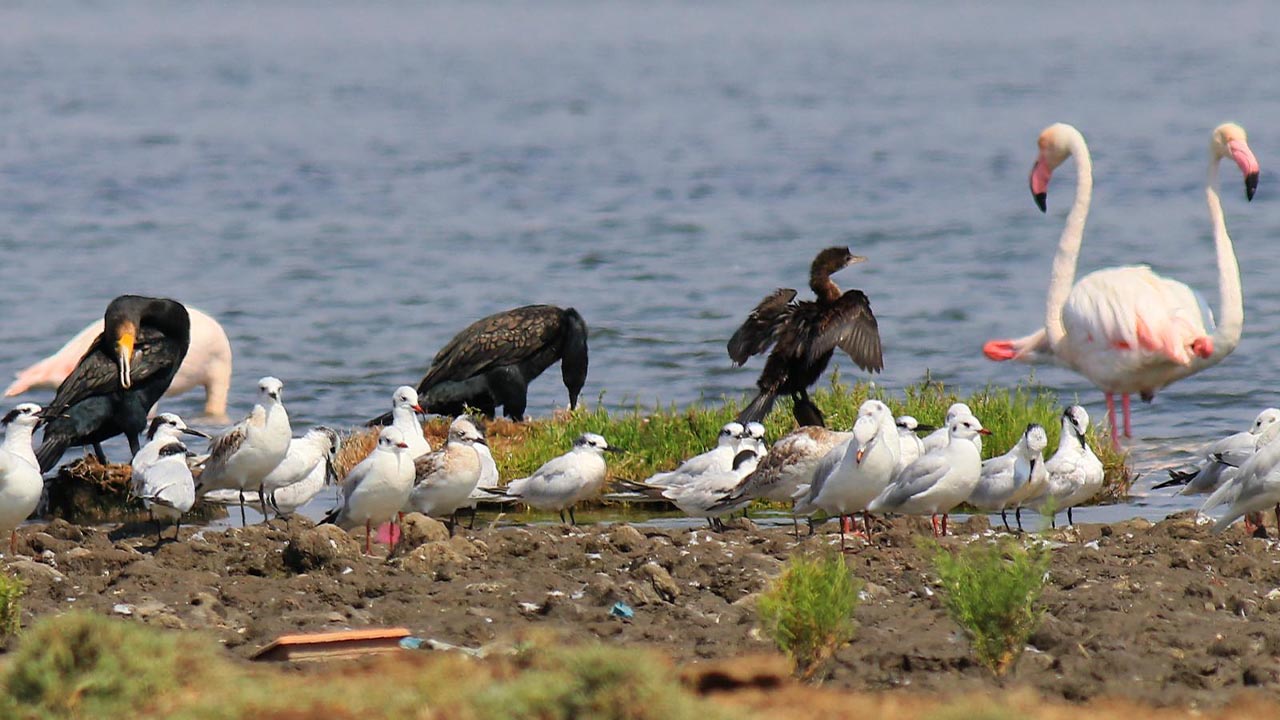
<point>418,409</point>
<point>984,431</point>
<point>403,445</point>
<point>859,455</point>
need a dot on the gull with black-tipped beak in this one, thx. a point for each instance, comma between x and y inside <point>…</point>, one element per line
<point>565,480</point>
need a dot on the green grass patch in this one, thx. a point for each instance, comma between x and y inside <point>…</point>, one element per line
<point>992,591</point>
<point>659,439</point>
<point>81,666</point>
<point>808,610</point>
<point>11,591</point>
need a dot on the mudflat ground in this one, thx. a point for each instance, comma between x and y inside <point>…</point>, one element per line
<point>1162,614</point>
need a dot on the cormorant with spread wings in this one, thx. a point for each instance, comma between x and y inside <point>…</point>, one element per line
<point>803,335</point>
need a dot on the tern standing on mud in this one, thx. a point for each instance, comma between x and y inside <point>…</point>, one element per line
<point>20,481</point>
<point>565,480</point>
<point>1074,474</point>
<point>1006,479</point>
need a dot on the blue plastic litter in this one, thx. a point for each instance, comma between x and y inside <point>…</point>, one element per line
<point>411,643</point>
<point>622,610</point>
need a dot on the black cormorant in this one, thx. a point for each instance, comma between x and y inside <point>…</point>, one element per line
<point>803,335</point>
<point>126,370</point>
<point>494,359</point>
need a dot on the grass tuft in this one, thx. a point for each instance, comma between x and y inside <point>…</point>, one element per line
<point>808,610</point>
<point>84,666</point>
<point>991,590</point>
<point>11,591</point>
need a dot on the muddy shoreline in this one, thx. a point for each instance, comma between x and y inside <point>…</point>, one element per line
<point>1163,614</point>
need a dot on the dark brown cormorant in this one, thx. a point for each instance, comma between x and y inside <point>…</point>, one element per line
<point>494,359</point>
<point>126,370</point>
<point>803,335</point>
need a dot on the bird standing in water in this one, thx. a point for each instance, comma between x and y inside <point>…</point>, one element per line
<point>113,387</point>
<point>804,334</point>
<point>493,360</point>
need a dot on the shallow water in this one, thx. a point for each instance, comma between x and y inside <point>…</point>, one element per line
<point>345,187</point>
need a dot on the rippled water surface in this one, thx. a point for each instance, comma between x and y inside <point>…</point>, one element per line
<point>347,186</point>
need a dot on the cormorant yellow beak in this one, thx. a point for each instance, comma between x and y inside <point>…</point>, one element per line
<point>124,353</point>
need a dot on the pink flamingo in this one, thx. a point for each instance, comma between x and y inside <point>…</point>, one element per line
<point>1127,329</point>
<point>208,364</point>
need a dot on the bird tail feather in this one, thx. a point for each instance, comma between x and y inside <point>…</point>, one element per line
<point>757,409</point>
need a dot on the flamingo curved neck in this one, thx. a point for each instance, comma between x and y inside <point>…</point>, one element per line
<point>1230,292</point>
<point>1064,262</point>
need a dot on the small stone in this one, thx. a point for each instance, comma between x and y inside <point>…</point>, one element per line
<point>418,529</point>
<point>872,591</point>
<point>625,538</point>
<point>78,553</point>
<point>32,571</point>
<point>437,559</point>
<point>319,547</point>
<point>662,581</point>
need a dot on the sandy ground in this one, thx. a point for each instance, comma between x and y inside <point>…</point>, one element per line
<point>1163,614</point>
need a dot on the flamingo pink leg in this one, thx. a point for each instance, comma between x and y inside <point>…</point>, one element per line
<point>1111,418</point>
<point>1124,404</point>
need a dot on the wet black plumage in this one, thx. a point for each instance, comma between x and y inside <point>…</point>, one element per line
<point>122,375</point>
<point>803,335</point>
<point>493,360</point>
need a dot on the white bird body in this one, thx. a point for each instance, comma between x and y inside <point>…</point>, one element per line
<point>489,477</point>
<point>404,417</point>
<point>940,437</point>
<point>940,479</point>
<point>1229,489</point>
<point>376,489</point>
<point>700,498</point>
<point>789,465</point>
<point>445,479</point>
<point>565,480</point>
<point>1074,474</point>
<point>305,470</point>
<point>207,364</point>
<point>1127,329</point>
<point>164,428</point>
<point>244,455</point>
<point>1008,478</point>
<point>304,455</point>
<point>716,461</point>
<point>855,473</point>
<point>910,446</point>
<point>1210,471</point>
<point>20,482</point>
<point>1255,488</point>
<point>165,484</point>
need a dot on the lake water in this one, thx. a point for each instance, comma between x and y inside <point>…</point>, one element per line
<point>347,186</point>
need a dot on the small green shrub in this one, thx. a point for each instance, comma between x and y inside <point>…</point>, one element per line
<point>84,665</point>
<point>808,610</point>
<point>991,591</point>
<point>11,591</point>
<point>589,681</point>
